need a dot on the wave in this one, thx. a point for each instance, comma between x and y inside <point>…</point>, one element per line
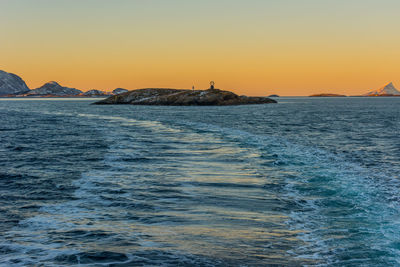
<point>346,214</point>
<point>192,193</point>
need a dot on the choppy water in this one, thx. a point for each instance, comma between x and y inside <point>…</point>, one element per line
<point>304,182</point>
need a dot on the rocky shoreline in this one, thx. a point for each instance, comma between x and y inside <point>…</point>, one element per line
<point>327,95</point>
<point>182,97</point>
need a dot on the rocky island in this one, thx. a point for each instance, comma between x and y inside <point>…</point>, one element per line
<point>387,90</point>
<point>327,95</point>
<point>95,93</point>
<point>118,91</point>
<point>54,89</point>
<point>11,84</point>
<point>182,97</point>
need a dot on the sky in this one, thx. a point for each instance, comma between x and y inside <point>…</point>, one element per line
<point>253,47</point>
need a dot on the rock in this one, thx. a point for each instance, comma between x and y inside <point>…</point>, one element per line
<point>387,90</point>
<point>54,89</point>
<point>118,91</point>
<point>273,96</point>
<point>95,92</point>
<point>182,97</point>
<point>327,95</point>
<point>11,84</point>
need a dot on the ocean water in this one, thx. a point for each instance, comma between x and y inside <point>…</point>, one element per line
<point>307,181</point>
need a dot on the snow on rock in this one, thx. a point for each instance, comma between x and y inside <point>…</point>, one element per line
<point>386,90</point>
<point>11,84</point>
<point>53,88</point>
<point>118,91</point>
<point>95,92</point>
<point>182,97</point>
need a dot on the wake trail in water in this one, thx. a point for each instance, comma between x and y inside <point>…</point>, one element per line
<point>340,204</point>
<point>154,196</point>
<point>181,192</point>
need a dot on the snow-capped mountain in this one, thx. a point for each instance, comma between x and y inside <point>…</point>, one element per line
<point>388,89</point>
<point>11,84</point>
<point>53,88</point>
<point>118,91</point>
<point>95,92</point>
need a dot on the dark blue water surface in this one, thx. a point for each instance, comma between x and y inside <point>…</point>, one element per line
<point>308,181</point>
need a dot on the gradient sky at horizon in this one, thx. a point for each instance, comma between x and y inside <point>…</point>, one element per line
<point>254,47</point>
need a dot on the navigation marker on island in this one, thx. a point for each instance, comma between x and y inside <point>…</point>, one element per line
<point>212,83</point>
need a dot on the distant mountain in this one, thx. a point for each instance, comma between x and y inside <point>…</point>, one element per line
<point>95,92</point>
<point>387,90</point>
<point>273,95</point>
<point>11,84</point>
<point>53,88</point>
<point>327,95</point>
<point>118,91</point>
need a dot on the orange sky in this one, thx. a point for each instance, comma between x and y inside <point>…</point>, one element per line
<point>254,47</point>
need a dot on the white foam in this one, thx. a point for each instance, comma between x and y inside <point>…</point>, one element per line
<point>304,163</point>
<point>355,183</point>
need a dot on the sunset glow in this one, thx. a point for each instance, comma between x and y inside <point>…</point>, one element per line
<point>253,47</point>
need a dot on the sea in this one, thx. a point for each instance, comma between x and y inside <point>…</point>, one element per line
<point>305,182</point>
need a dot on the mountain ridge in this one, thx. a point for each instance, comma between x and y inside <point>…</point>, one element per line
<point>12,84</point>
<point>54,88</point>
<point>386,90</point>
